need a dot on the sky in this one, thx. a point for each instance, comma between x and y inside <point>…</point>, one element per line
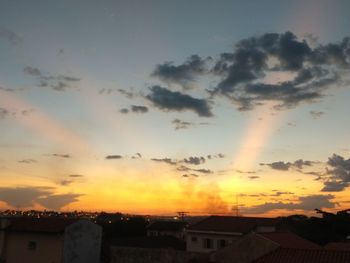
<point>154,107</point>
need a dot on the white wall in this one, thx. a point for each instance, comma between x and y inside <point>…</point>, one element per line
<point>198,244</point>
<point>82,243</point>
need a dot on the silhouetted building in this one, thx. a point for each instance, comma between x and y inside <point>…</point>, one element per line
<point>49,240</point>
<point>167,228</point>
<point>216,232</point>
<point>254,245</point>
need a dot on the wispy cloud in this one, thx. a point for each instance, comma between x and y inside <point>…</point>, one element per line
<point>10,36</point>
<point>56,82</point>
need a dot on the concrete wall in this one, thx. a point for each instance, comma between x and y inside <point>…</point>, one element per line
<point>195,241</point>
<point>82,243</point>
<point>48,248</point>
<point>245,249</point>
<point>177,234</point>
<point>146,255</point>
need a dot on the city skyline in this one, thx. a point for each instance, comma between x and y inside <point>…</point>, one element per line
<point>155,107</point>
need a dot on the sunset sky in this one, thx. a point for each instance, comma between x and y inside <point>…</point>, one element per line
<point>156,106</point>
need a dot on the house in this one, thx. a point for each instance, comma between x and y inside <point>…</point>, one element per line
<point>254,245</point>
<point>294,255</point>
<point>148,249</point>
<point>216,232</point>
<point>167,228</point>
<point>49,240</point>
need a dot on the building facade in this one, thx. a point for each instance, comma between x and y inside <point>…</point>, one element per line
<point>49,240</point>
<point>216,232</point>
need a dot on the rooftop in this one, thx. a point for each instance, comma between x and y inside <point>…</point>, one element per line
<point>338,246</point>
<point>46,225</point>
<point>290,240</point>
<point>290,255</point>
<point>232,224</point>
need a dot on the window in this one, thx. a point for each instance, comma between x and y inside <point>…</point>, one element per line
<point>31,245</point>
<point>222,243</point>
<point>207,243</point>
<point>194,239</point>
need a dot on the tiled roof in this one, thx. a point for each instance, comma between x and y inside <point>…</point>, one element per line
<point>338,246</point>
<point>290,240</point>
<point>48,225</point>
<point>167,225</point>
<point>232,224</point>
<point>289,255</point>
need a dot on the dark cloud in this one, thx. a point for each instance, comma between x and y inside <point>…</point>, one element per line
<point>139,109</point>
<point>165,160</point>
<point>56,202</point>
<point>59,86</point>
<point>75,175</point>
<point>285,166</point>
<point>111,157</point>
<point>32,71</point>
<point>10,36</point>
<point>179,124</point>
<point>279,193</point>
<point>316,114</point>
<point>29,196</point>
<point>27,161</point>
<point>58,83</point>
<point>6,89</point>
<point>183,168</point>
<point>65,182</point>
<point>220,155</point>
<point>124,111</point>
<point>338,174</point>
<point>134,109</point>
<point>61,155</point>
<point>203,171</point>
<point>68,78</point>
<point>20,197</point>
<point>183,74</point>
<point>23,196</point>
<point>334,186</point>
<point>301,163</point>
<point>126,93</point>
<point>253,177</point>
<point>245,172</point>
<point>241,72</point>
<point>168,100</point>
<point>3,113</point>
<point>194,160</point>
<point>190,175</point>
<point>105,91</point>
<point>137,156</point>
<point>282,166</point>
<point>305,203</point>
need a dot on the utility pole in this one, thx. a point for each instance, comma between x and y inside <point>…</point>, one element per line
<point>182,215</point>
